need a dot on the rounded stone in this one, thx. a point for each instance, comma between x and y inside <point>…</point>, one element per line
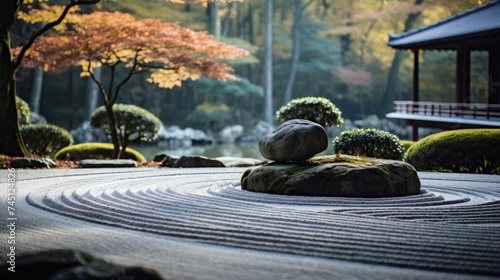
<point>294,140</point>
<point>345,176</point>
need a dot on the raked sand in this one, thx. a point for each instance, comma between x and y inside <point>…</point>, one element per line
<point>198,224</point>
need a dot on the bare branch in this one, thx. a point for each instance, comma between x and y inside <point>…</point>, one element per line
<point>99,84</point>
<point>50,25</point>
<point>129,75</point>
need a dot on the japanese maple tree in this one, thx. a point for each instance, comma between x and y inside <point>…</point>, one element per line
<point>169,52</point>
<point>11,142</point>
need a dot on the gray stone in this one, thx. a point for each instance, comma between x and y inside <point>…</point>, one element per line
<point>196,161</point>
<point>104,163</point>
<point>159,157</point>
<point>169,161</point>
<point>71,265</point>
<point>294,140</point>
<point>239,162</point>
<point>346,176</point>
<point>32,163</point>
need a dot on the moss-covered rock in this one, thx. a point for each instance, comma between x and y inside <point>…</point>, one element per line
<point>460,151</point>
<point>341,175</point>
<point>95,151</point>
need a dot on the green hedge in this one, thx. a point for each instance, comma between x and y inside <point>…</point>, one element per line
<point>45,139</point>
<point>460,151</point>
<point>407,144</point>
<point>316,109</point>
<point>94,151</point>
<point>369,142</point>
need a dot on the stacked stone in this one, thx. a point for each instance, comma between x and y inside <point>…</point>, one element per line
<point>293,170</point>
<point>294,140</point>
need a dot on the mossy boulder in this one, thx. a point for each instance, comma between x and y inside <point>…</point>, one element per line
<point>459,151</point>
<point>338,175</point>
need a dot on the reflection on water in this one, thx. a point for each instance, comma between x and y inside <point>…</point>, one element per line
<point>249,150</point>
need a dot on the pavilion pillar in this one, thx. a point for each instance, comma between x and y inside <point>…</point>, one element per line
<point>494,76</point>
<point>415,75</point>
<point>415,92</point>
<point>462,91</point>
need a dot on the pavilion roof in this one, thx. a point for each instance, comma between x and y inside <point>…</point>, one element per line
<point>478,27</point>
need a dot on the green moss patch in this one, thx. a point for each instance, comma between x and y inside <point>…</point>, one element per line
<point>95,151</point>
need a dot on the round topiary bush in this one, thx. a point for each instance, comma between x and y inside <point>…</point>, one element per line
<point>370,143</point>
<point>134,123</point>
<point>460,151</point>
<point>23,111</point>
<point>95,151</point>
<point>316,109</point>
<point>45,139</point>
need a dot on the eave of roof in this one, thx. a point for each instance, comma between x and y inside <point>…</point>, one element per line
<point>482,22</point>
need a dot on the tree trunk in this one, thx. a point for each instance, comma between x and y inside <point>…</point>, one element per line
<point>268,62</point>
<point>11,142</point>
<point>239,20</point>
<point>295,50</point>
<point>392,79</point>
<point>92,94</point>
<point>36,90</point>
<point>214,18</point>
<point>226,23</point>
<point>114,131</point>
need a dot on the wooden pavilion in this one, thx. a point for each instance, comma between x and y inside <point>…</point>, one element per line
<point>477,29</point>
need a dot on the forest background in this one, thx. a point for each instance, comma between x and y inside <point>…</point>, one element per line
<point>341,48</point>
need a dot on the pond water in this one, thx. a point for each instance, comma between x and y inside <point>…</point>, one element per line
<point>250,150</point>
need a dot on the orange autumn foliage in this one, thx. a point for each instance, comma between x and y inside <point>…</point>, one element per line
<point>171,53</point>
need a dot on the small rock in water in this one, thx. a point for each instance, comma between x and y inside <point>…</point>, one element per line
<point>294,140</point>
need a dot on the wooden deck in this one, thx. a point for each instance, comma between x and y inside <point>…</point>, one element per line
<point>446,115</point>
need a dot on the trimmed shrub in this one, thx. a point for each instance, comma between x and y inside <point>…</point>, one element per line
<point>370,143</point>
<point>407,144</point>
<point>134,123</point>
<point>316,109</point>
<point>95,151</point>
<point>460,151</point>
<point>45,139</point>
<point>23,111</point>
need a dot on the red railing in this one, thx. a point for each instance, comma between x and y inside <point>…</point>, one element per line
<point>444,109</point>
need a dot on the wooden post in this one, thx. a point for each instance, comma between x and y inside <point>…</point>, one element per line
<point>462,91</point>
<point>415,93</point>
<point>415,75</point>
<point>494,76</point>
